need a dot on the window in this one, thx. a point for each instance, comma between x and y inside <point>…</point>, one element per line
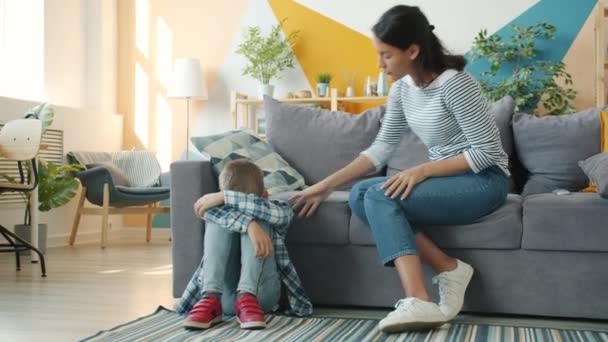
<point>22,49</point>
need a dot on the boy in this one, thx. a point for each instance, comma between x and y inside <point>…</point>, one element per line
<point>245,260</point>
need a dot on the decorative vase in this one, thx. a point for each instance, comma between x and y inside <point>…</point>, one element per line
<point>25,232</point>
<point>382,84</point>
<point>322,89</point>
<point>350,91</point>
<point>265,89</point>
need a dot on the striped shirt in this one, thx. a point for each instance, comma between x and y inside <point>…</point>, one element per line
<point>450,116</point>
<point>239,210</point>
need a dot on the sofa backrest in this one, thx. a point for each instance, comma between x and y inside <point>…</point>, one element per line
<point>318,142</point>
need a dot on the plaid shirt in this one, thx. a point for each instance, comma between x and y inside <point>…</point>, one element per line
<point>239,210</point>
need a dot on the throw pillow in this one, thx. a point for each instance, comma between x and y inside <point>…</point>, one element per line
<point>318,142</point>
<point>119,178</point>
<point>222,148</point>
<point>220,145</point>
<point>550,147</point>
<point>141,167</point>
<point>603,146</point>
<point>596,168</point>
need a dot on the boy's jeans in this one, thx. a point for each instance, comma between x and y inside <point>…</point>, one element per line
<point>230,265</point>
<point>458,199</point>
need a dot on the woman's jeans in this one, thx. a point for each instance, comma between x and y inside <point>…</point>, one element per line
<point>458,199</point>
<point>230,266</point>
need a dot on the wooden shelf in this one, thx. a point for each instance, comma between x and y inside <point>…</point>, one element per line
<point>354,99</point>
<point>239,103</point>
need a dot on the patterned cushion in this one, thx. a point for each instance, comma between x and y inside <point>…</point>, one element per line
<point>222,148</point>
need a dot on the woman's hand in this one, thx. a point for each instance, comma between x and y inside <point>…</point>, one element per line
<point>403,182</point>
<point>310,199</point>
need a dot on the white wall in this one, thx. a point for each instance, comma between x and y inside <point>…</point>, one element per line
<point>80,82</point>
<point>456,22</point>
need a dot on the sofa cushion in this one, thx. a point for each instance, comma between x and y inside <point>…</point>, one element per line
<point>575,222</point>
<point>501,229</point>
<point>596,168</point>
<point>328,226</point>
<point>550,147</point>
<point>318,142</point>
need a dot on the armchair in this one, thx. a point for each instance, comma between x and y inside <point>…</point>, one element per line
<point>126,182</point>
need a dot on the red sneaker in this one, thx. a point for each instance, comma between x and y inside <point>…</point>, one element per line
<point>249,313</point>
<point>205,313</point>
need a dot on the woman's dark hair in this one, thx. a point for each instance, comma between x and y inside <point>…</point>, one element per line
<point>402,26</point>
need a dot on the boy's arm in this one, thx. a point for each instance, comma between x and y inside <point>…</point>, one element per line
<point>230,218</point>
<point>276,213</point>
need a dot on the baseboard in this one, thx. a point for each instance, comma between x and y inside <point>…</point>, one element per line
<point>95,236</point>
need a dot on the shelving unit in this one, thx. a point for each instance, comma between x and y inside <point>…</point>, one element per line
<point>240,103</point>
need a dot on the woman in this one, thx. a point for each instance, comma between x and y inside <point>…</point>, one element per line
<point>466,178</point>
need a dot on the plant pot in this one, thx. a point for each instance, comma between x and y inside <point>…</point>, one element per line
<point>265,89</point>
<point>25,232</point>
<point>322,89</point>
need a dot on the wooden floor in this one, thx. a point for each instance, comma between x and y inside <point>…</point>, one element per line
<point>89,289</point>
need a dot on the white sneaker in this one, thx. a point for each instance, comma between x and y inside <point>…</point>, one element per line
<point>452,286</point>
<point>412,314</point>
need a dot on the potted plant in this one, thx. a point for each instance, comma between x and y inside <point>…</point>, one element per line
<point>531,79</point>
<point>323,80</point>
<point>56,185</point>
<point>267,56</point>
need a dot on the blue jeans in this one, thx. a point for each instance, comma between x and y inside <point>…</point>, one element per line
<point>458,199</point>
<point>230,266</point>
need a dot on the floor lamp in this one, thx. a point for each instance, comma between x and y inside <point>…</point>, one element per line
<point>187,83</point>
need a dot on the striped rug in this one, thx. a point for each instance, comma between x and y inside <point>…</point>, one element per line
<point>166,325</point>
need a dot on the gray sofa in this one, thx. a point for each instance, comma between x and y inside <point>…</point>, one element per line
<point>539,254</point>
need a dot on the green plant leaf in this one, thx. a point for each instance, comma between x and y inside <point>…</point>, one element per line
<point>530,79</point>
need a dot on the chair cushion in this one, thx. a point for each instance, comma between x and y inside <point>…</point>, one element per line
<point>119,178</point>
<point>318,142</point>
<point>141,167</point>
<point>328,226</point>
<point>575,222</point>
<point>501,229</point>
<point>153,190</point>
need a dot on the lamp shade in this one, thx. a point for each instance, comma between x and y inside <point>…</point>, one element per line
<point>187,80</point>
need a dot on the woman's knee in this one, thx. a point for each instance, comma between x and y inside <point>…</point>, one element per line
<point>375,193</point>
<point>355,198</point>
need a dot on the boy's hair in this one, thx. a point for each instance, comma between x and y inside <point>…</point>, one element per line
<point>242,175</point>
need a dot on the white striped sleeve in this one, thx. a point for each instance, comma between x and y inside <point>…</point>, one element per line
<point>389,136</point>
<point>464,99</point>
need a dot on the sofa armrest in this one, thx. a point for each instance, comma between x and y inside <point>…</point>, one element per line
<point>189,181</point>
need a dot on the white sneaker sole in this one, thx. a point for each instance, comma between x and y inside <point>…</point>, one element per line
<point>201,325</point>
<point>409,326</point>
